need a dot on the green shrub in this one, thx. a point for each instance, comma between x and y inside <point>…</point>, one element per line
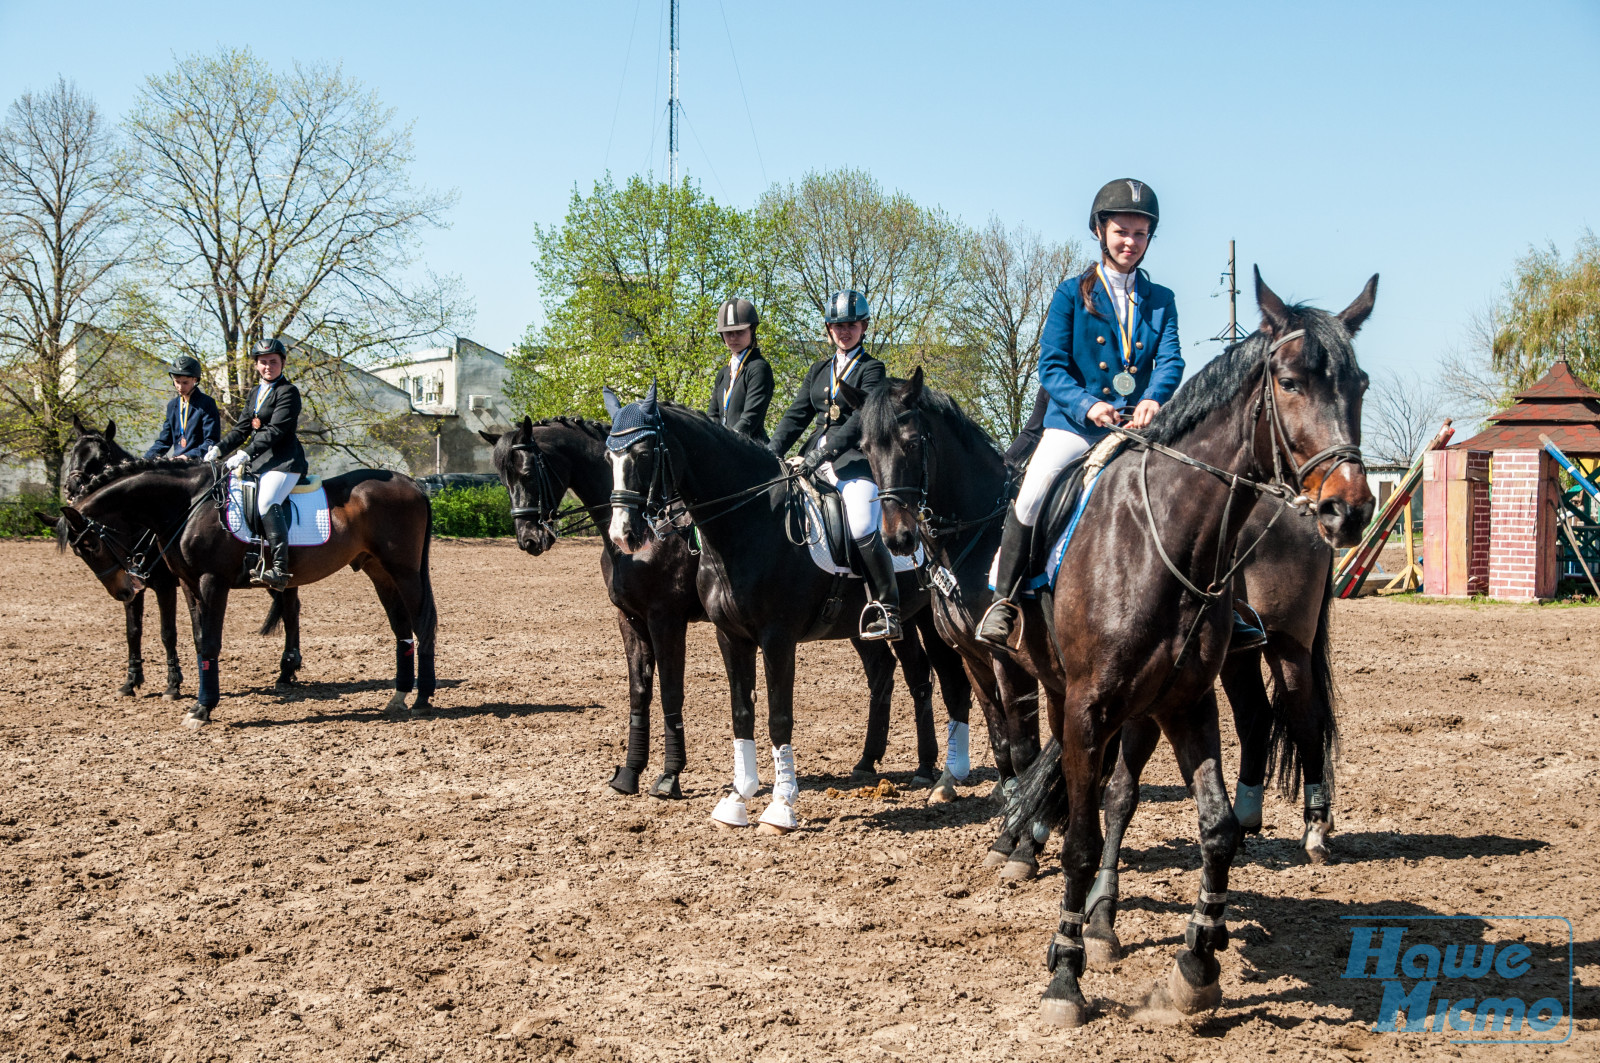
<point>472,512</point>
<point>17,516</point>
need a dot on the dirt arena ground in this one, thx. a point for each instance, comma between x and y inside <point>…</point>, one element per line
<point>307,879</point>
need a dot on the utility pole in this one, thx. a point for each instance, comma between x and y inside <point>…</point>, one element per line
<point>672,102</point>
<point>1233,334</point>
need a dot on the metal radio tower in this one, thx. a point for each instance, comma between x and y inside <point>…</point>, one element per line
<point>672,101</point>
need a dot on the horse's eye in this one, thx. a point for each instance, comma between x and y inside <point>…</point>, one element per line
<point>1288,383</point>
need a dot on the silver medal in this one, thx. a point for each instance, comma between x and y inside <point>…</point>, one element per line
<point>1124,383</point>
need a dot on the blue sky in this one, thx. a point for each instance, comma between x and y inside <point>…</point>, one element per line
<point>1432,143</point>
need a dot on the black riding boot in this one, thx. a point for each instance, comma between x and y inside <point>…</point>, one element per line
<point>1246,636</point>
<point>1016,544</point>
<point>881,618</point>
<point>276,531</point>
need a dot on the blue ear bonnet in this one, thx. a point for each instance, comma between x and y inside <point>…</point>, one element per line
<point>629,422</point>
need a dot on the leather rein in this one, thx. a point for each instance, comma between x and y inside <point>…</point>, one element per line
<point>136,560</point>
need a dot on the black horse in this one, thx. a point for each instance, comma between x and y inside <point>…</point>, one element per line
<point>92,453</point>
<point>656,596</point>
<point>756,580</point>
<point>136,516</point>
<point>1138,642</point>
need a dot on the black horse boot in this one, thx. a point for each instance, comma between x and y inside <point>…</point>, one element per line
<point>881,618</point>
<point>1001,619</point>
<point>276,531</point>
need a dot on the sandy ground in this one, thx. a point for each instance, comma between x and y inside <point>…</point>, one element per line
<point>307,879</point>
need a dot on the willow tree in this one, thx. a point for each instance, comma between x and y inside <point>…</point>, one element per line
<point>279,203</point>
<point>1550,309</point>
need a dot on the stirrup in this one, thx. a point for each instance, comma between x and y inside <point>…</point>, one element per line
<point>890,616</point>
<point>990,638</point>
<point>273,579</point>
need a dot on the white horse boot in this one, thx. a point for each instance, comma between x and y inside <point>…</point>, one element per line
<point>731,811</point>
<point>1247,807</point>
<point>779,818</point>
<point>957,764</point>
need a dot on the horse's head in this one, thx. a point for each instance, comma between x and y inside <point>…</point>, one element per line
<point>91,453</point>
<point>892,430</point>
<point>535,481</point>
<point>97,543</point>
<point>1310,422</point>
<point>637,452</point>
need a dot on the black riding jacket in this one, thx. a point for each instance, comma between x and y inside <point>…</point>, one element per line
<point>746,411</point>
<point>273,447</point>
<point>812,402</point>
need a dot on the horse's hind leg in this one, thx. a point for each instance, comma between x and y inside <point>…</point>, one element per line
<point>405,643</point>
<point>1193,983</point>
<point>288,603</point>
<point>669,634</point>
<point>167,611</point>
<point>739,660</point>
<point>878,662</point>
<point>777,655</point>
<point>1252,722</point>
<point>133,615</point>
<point>208,608</point>
<point>1139,740</point>
<point>641,656</point>
<point>1303,720</point>
<point>919,680</point>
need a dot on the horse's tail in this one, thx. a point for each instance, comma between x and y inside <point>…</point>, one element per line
<point>1283,756</point>
<point>274,619</point>
<point>1041,794</point>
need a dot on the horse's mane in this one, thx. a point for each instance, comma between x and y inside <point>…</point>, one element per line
<point>115,453</point>
<point>881,409</point>
<point>1222,378</point>
<point>726,436</point>
<point>137,465</point>
<point>594,429</point>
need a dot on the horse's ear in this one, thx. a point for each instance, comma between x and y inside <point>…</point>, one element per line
<point>71,516</point>
<point>613,404</point>
<point>490,438</point>
<point>914,390</point>
<point>650,396</point>
<point>852,394</point>
<point>1274,315</point>
<point>526,428</point>
<point>111,431</point>
<point>1355,315</point>
<point>49,520</point>
<point>77,426</point>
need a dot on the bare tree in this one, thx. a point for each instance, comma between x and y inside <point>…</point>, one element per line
<point>1009,277</point>
<point>61,253</point>
<point>1402,412</point>
<point>279,204</point>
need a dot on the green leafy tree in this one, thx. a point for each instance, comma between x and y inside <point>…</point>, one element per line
<point>632,279</point>
<point>1551,309</point>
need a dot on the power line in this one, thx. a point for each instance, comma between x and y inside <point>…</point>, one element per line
<point>627,55</point>
<point>740,77</point>
<point>706,154</point>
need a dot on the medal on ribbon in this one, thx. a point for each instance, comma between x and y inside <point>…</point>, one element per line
<point>255,422</point>
<point>833,411</point>
<point>1123,383</point>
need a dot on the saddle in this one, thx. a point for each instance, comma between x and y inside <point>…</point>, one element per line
<point>307,511</point>
<point>1058,517</point>
<point>817,518</point>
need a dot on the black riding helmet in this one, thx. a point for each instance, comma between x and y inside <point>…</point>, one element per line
<point>1125,196</point>
<point>845,307</point>
<point>270,345</point>
<point>736,314</point>
<point>185,366</point>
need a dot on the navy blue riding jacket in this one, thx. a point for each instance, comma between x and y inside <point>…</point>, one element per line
<point>188,435</point>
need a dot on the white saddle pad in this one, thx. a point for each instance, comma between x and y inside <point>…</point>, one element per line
<point>310,523</point>
<point>817,540</point>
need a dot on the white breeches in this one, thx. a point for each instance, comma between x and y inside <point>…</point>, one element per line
<point>1056,448</point>
<point>275,487</point>
<point>862,510</point>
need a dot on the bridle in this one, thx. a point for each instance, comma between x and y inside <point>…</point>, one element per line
<point>914,500</point>
<point>136,560</point>
<point>543,511</point>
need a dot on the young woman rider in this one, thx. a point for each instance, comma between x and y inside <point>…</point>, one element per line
<point>1109,355</point>
<point>743,390</point>
<point>831,450</point>
<point>273,451</point>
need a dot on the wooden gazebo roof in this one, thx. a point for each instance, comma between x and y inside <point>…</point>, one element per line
<point>1558,405</point>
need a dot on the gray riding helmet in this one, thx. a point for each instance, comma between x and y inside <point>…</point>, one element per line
<point>270,345</point>
<point>845,307</point>
<point>1125,196</point>
<point>737,313</point>
<point>185,366</point>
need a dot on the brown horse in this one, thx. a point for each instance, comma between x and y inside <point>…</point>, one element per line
<point>142,513</point>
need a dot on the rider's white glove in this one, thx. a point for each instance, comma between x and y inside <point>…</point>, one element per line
<point>213,452</point>
<point>236,459</point>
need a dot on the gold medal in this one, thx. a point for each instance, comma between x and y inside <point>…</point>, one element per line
<point>833,411</point>
<point>255,422</point>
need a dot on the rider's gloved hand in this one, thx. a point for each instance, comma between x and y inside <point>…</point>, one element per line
<point>213,452</point>
<point>236,459</point>
<point>812,462</point>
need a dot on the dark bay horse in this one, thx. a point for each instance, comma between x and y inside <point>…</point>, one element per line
<point>657,597</point>
<point>758,585</point>
<point>92,452</point>
<point>1139,642</point>
<point>134,516</point>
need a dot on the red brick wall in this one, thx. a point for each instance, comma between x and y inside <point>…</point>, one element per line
<point>1522,548</point>
<point>1479,535</point>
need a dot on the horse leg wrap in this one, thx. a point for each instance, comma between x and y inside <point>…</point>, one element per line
<point>957,755</point>
<point>1319,801</point>
<point>427,683</point>
<point>405,665</point>
<point>745,780</point>
<point>1247,806</point>
<point>1067,945</point>
<point>210,686</point>
<point>927,736</point>
<point>638,739</point>
<point>290,662</point>
<point>676,757</point>
<point>1207,929</point>
<point>1104,889</point>
<point>785,783</point>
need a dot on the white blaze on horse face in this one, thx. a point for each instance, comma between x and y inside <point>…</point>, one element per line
<point>619,515</point>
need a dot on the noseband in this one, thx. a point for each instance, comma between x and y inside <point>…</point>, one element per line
<point>543,511</point>
<point>655,506</point>
<point>1339,453</point>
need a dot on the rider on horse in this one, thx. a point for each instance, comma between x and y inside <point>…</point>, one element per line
<point>743,390</point>
<point>1109,355</point>
<point>191,423</point>
<point>273,451</point>
<point>831,450</point>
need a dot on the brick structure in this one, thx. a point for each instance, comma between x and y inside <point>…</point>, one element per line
<point>1490,502</point>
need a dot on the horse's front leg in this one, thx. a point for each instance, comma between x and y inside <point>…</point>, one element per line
<point>167,612</point>
<point>918,670</point>
<point>668,633</point>
<point>1307,718</point>
<point>641,682</point>
<point>208,607</point>
<point>1193,984</point>
<point>1252,722</point>
<point>133,616</point>
<point>1139,738</point>
<point>288,603</point>
<point>1081,754</point>
<point>877,661</point>
<point>739,661</point>
<point>777,653</point>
